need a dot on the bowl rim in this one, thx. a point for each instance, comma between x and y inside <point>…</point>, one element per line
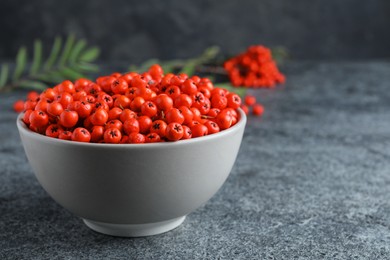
<point>22,127</point>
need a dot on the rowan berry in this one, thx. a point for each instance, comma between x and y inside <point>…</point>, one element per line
<point>82,108</point>
<point>136,138</point>
<point>65,135</point>
<point>258,109</point>
<point>67,86</point>
<point>233,100</point>
<point>33,96</point>
<point>174,115</point>
<point>199,130</point>
<point>174,131</point>
<point>112,135</point>
<point>97,133</point>
<point>250,100</point>
<point>81,134</point>
<point>115,123</point>
<point>38,118</point>
<point>187,134</point>
<point>149,109</point>
<point>53,130</point>
<point>152,138</point>
<point>164,102</point>
<point>131,126</point>
<point>159,127</point>
<point>212,127</point>
<point>18,106</point>
<point>68,118</point>
<point>114,113</point>
<point>183,100</point>
<point>99,117</point>
<point>145,123</point>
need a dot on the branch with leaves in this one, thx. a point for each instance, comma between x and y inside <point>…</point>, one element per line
<point>70,59</point>
<point>209,64</point>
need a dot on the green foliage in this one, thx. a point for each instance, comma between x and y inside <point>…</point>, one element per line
<point>187,66</point>
<point>70,59</point>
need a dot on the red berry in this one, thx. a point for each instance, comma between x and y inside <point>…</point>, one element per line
<point>68,118</point>
<point>112,135</point>
<point>38,119</point>
<point>258,109</point>
<point>199,130</point>
<point>81,134</point>
<point>174,132</point>
<point>136,138</point>
<point>131,126</point>
<point>250,100</point>
<point>18,106</point>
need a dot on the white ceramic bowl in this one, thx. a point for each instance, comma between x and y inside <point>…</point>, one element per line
<point>133,189</point>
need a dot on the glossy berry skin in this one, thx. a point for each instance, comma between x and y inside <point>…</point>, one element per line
<point>149,109</point>
<point>133,108</point>
<point>174,115</point>
<point>233,100</point>
<point>119,86</point>
<point>159,127</point>
<point>174,131</point>
<point>100,117</point>
<point>81,134</point>
<point>152,138</point>
<point>131,126</point>
<point>38,118</point>
<point>53,130</point>
<point>187,133</point>
<point>97,133</point>
<point>145,123</point>
<point>115,123</point>
<point>212,127</point>
<point>199,130</point>
<point>224,120</point>
<point>55,108</point>
<point>164,102</point>
<point>82,108</point>
<point>136,138</point>
<point>69,118</point>
<point>65,135</point>
<point>112,135</point>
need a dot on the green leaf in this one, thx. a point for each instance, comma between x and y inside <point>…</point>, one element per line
<point>71,74</point>
<point>3,75</point>
<point>32,84</point>
<point>54,53</point>
<point>189,67</point>
<point>90,54</point>
<point>209,54</point>
<point>21,60</point>
<point>85,67</point>
<point>280,54</point>
<point>76,50</point>
<point>49,77</point>
<point>66,51</point>
<point>37,58</point>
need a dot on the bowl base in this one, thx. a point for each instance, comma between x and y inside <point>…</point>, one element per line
<point>134,230</point>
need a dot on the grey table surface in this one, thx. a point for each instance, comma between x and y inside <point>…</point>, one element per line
<point>311,181</point>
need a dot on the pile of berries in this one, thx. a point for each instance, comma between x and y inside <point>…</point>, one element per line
<point>131,108</point>
<point>254,68</point>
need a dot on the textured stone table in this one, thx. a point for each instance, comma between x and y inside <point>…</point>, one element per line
<point>312,181</point>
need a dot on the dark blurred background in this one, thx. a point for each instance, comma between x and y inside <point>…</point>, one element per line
<point>138,30</point>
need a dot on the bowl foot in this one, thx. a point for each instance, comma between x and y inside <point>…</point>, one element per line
<point>134,230</point>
